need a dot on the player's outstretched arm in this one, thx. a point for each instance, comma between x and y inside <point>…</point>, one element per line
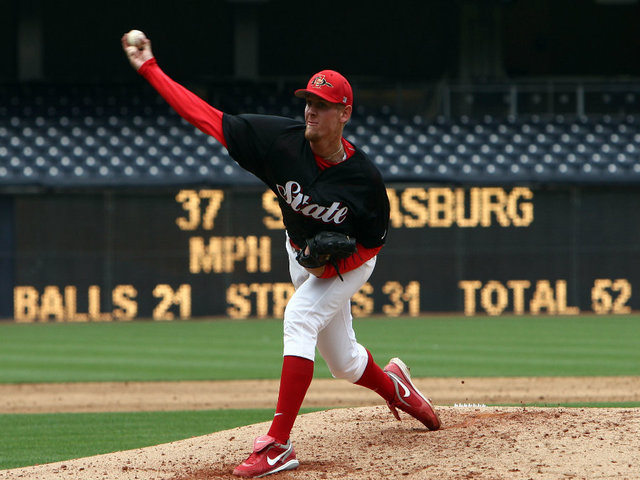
<point>187,104</point>
<point>139,53</point>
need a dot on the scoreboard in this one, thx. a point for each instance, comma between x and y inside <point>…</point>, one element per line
<point>118,255</point>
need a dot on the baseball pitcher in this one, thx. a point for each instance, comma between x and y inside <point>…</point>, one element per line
<point>336,213</point>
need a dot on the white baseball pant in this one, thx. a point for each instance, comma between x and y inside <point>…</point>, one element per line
<point>319,315</point>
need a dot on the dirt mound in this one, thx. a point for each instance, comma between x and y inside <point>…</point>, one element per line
<point>368,443</point>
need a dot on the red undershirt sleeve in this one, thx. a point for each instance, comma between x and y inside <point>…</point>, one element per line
<point>361,256</point>
<point>187,104</point>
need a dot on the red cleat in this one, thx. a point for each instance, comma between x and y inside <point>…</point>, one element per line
<point>408,398</point>
<point>267,457</point>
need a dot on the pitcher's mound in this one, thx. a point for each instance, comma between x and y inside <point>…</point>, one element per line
<point>368,443</point>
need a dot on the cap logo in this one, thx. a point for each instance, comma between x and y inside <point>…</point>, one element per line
<point>320,82</point>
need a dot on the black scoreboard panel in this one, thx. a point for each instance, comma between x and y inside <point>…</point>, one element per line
<point>6,255</point>
<point>122,254</point>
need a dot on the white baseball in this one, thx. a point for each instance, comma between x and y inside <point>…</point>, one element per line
<point>135,38</point>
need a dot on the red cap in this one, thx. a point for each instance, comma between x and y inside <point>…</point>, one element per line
<point>330,86</point>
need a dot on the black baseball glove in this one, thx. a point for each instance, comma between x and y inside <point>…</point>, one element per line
<point>327,247</point>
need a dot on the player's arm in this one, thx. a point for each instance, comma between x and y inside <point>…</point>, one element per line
<point>187,104</point>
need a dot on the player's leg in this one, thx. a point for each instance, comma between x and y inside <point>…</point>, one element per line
<point>336,340</point>
<point>313,306</point>
<point>315,303</point>
<point>295,378</point>
<point>349,360</point>
<point>297,367</point>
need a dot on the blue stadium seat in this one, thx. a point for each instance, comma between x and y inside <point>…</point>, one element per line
<point>105,134</point>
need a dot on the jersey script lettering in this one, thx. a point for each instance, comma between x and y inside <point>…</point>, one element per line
<point>292,194</point>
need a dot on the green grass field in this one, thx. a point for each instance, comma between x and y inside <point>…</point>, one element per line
<point>225,349</point>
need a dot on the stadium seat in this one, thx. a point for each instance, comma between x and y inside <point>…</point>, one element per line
<point>108,134</point>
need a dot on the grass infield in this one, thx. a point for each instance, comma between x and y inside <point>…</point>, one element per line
<point>445,346</point>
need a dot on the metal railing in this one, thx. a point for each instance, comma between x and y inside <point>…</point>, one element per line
<point>550,98</point>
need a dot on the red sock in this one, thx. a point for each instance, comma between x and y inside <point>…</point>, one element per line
<point>375,379</point>
<point>297,373</point>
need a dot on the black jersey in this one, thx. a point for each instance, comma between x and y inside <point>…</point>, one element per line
<point>350,197</point>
